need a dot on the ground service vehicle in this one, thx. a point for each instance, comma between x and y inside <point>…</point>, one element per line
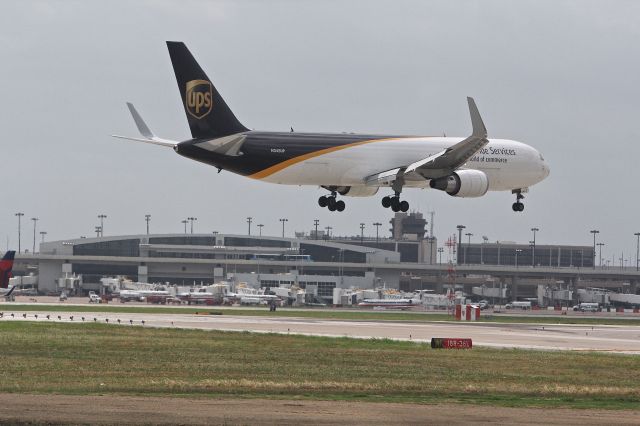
<point>518,305</point>
<point>587,307</point>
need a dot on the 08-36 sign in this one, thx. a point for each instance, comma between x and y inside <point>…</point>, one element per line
<point>449,343</point>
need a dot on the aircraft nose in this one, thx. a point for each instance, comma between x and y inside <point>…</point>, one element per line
<point>545,170</point>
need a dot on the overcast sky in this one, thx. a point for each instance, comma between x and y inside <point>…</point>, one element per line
<point>562,76</point>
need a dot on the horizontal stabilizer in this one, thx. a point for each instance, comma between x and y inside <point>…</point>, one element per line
<point>154,141</point>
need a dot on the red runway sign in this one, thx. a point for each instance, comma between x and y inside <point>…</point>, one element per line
<point>447,343</point>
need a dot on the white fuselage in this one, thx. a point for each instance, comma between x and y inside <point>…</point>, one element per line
<point>508,164</point>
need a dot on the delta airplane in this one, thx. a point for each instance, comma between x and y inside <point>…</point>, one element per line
<point>6,265</point>
<point>344,164</point>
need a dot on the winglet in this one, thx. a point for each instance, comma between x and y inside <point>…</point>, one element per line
<point>140,124</point>
<point>476,121</point>
<point>144,130</point>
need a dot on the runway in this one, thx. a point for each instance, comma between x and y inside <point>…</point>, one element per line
<point>608,338</point>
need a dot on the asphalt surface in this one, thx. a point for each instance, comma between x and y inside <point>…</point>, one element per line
<point>607,338</point>
<point>26,409</point>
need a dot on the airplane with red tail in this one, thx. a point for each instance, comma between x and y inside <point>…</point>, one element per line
<point>6,265</point>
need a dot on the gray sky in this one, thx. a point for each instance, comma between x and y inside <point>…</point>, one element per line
<point>561,76</point>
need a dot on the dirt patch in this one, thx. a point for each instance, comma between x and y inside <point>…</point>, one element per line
<point>69,409</point>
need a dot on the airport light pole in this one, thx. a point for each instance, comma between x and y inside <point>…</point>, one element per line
<point>600,249</point>
<point>260,225</point>
<point>440,251</point>
<point>460,228</point>
<point>249,220</point>
<point>328,229</point>
<point>185,225</point>
<point>469,235</point>
<point>316,222</point>
<point>42,234</point>
<point>533,252</point>
<point>637,234</point>
<point>431,239</point>
<point>517,251</point>
<point>485,240</point>
<point>594,232</point>
<point>147,218</point>
<point>377,225</point>
<point>19,214</point>
<point>35,220</point>
<point>361,233</point>
<point>102,217</point>
<point>283,220</point>
<point>192,219</point>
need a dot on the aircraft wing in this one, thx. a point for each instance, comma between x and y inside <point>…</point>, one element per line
<point>442,163</point>
<point>445,162</point>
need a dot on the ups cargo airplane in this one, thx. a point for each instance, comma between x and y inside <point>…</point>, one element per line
<point>344,164</point>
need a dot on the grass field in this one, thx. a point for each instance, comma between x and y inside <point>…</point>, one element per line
<point>324,314</point>
<point>105,359</point>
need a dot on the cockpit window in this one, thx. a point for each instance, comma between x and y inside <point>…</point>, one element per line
<point>541,157</point>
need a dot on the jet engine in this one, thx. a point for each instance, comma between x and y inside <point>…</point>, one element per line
<point>463,183</point>
<point>357,191</point>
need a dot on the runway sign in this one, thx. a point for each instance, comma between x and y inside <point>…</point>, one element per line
<point>449,343</point>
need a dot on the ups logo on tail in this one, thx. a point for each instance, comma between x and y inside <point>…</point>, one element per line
<point>198,98</point>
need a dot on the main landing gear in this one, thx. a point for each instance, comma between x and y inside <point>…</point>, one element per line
<point>395,203</point>
<point>518,206</point>
<point>331,203</point>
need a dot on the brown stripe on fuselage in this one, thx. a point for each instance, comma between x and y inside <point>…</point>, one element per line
<point>295,160</point>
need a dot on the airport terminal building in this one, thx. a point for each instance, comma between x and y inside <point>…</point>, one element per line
<point>410,261</point>
<point>194,259</point>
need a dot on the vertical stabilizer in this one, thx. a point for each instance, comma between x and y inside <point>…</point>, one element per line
<point>208,114</point>
<point>6,265</point>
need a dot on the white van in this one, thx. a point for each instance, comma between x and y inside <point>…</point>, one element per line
<point>94,298</point>
<point>587,307</point>
<point>518,305</point>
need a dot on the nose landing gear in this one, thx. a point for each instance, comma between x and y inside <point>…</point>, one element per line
<point>518,206</point>
<point>331,203</point>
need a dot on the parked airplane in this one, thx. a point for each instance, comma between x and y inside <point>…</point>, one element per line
<point>6,265</point>
<point>251,296</point>
<point>345,164</point>
<point>401,304</point>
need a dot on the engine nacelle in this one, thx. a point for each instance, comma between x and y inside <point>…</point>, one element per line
<point>463,183</point>
<point>357,191</point>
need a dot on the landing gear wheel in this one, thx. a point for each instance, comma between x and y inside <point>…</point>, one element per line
<point>517,207</point>
<point>395,204</point>
<point>386,202</point>
<point>323,201</point>
<point>340,205</point>
<point>404,206</point>
<point>331,203</point>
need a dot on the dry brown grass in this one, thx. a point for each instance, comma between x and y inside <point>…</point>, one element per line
<point>90,358</point>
